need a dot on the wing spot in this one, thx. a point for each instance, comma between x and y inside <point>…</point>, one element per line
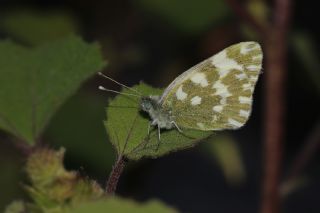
<point>214,118</point>
<point>245,100</point>
<point>241,76</point>
<point>225,64</point>
<point>254,78</point>
<point>254,67</point>
<point>244,113</point>
<point>200,78</point>
<point>223,101</point>
<point>222,91</point>
<point>248,47</point>
<point>181,95</point>
<point>196,100</point>
<point>201,125</point>
<point>257,57</point>
<point>235,124</point>
<point>246,86</point>
<point>218,108</point>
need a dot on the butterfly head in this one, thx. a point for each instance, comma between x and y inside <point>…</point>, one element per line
<point>149,103</point>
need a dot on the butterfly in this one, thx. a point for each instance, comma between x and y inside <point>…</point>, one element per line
<point>215,94</point>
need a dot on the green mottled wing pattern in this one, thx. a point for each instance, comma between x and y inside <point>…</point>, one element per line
<point>217,93</point>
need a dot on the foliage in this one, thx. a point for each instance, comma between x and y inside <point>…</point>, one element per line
<point>82,114</point>
<point>31,91</point>
<point>54,189</point>
<point>35,27</point>
<point>127,127</point>
<point>188,16</point>
<point>35,82</point>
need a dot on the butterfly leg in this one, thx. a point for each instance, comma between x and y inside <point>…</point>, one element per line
<point>151,123</point>
<point>159,133</point>
<point>149,128</point>
<point>174,123</point>
<point>148,135</point>
<point>159,141</point>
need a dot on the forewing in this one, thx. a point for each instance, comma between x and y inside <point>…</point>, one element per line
<point>217,93</point>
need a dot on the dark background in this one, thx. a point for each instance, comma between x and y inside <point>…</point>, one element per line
<point>154,41</point>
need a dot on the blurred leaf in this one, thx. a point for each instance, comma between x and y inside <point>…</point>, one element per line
<point>226,152</point>
<point>35,82</point>
<point>81,114</point>
<point>304,47</point>
<point>259,10</point>
<point>293,185</point>
<point>127,128</point>
<point>189,16</point>
<point>36,27</point>
<point>115,204</point>
<point>261,13</point>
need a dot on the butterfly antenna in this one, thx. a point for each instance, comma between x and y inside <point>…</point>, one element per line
<point>121,93</point>
<point>103,75</point>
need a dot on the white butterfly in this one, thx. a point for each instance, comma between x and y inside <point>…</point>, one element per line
<point>215,94</point>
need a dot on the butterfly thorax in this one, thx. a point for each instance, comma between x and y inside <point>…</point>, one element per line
<point>160,116</point>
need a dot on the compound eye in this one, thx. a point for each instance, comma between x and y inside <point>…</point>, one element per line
<point>147,105</point>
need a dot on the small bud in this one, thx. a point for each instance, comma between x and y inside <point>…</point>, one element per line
<point>44,166</point>
<point>16,207</point>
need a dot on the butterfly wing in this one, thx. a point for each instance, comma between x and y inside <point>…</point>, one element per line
<point>216,93</point>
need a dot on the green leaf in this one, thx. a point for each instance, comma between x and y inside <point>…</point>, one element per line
<point>291,186</point>
<point>127,128</point>
<point>36,27</point>
<point>114,204</point>
<point>35,82</point>
<point>188,16</point>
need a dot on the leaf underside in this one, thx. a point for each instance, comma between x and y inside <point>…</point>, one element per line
<point>127,127</point>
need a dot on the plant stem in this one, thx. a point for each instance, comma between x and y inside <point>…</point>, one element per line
<point>274,37</point>
<point>22,146</point>
<point>276,75</point>
<point>274,128</point>
<point>115,175</point>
